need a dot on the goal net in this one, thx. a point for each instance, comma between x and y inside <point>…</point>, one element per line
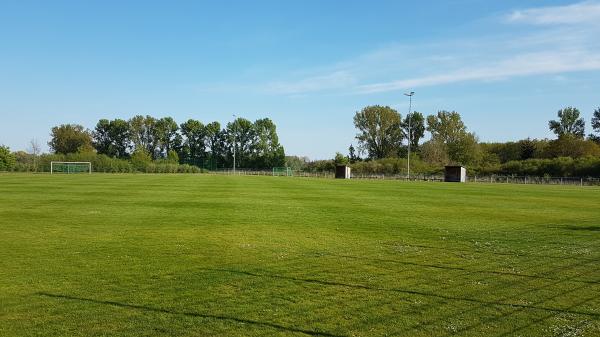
<point>282,171</point>
<point>70,167</point>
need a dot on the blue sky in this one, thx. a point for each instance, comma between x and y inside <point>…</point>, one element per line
<point>506,66</point>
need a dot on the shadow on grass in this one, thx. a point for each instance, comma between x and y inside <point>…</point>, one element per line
<point>466,250</point>
<point>491,272</point>
<point>189,314</point>
<point>591,228</point>
<point>407,291</point>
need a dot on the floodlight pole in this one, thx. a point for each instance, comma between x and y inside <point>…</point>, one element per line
<point>410,95</point>
<point>234,117</point>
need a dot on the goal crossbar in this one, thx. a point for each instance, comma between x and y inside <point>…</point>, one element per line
<point>70,167</point>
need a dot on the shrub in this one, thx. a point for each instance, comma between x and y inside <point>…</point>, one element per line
<point>7,159</point>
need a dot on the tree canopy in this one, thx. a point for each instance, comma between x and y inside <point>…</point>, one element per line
<point>70,138</point>
<point>417,128</point>
<point>379,131</point>
<point>568,123</point>
<point>7,159</point>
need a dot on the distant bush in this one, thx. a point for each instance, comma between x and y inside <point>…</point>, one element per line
<point>101,163</point>
<point>379,166</point>
<point>556,167</point>
<point>7,159</point>
<point>395,166</point>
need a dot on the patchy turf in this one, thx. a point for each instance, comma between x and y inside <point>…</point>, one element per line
<point>202,255</point>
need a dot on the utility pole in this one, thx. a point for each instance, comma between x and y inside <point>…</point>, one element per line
<point>410,95</point>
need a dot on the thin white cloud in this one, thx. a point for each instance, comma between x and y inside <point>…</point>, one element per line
<point>583,12</point>
<point>334,80</point>
<point>521,65</point>
<point>562,40</point>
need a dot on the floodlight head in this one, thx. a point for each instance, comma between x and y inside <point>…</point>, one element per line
<point>410,94</point>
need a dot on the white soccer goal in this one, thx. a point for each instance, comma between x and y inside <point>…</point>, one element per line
<point>283,171</point>
<point>70,167</point>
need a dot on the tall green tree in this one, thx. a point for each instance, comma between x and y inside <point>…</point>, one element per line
<point>568,122</point>
<point>101,137</point>
<point>447,128</point>
<point>352,155</point>
<point>216,142</point>
<point>194,142</point>
<point>138,134</point>
<point>144,134</point>
<point>417,129</point>
<point>435,152</point>
<point>379,131</point>
<point>165,136</point>
<point>596,126</point>
<point>340,159</point>
<point>527,149</point>
<point>241,136</point>
<point>266,150</point>
<point>70,138</point>
<point>119,135</point>
<point>7,158</point>
<point>111,137</point>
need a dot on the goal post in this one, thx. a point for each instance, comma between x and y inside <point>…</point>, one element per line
<point>69,167</point>
<point>282,171</point>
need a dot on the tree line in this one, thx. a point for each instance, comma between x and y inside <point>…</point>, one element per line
<point>149,144</point>
<point>383,137</point>
<point>255,144</point>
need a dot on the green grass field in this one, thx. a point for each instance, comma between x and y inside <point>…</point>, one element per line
<point>203,255</point>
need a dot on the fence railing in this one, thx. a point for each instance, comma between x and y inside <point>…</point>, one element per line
<point>576,181</point>
<point>491,179</point>
<point>250,172</point>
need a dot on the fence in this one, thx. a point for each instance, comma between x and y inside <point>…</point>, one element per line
<point>250,172</point>
<point>492,179</point>
<point>576,181</point>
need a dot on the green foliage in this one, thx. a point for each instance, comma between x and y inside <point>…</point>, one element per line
<point>256,143</point>
<point>320,166</point>
<point>596,126</point>
<point>465,150</point>
<point>266,150</point>
<point>506,151</point>
<point>194,145</point>
<point>111,137</point>
<point>172,157</point>
<point>567,145</point>
<point>7,159</point>
<point>340,159</point>
<point>379,131</point>
<point>140,159</point>
<point>446,126</point>
<point>394,166</point>
<point>167,138</point>
<point>417,129</point>
<point>352,154</point>
<point>568,123</point>
<point>435,152</point>
<point>70,138</point>
<point>449,134</point>
<point>555,167</point>
<point>296,163</point>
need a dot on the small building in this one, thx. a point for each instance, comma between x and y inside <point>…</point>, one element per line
<point>342,172</point>
<point>455,174</point>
